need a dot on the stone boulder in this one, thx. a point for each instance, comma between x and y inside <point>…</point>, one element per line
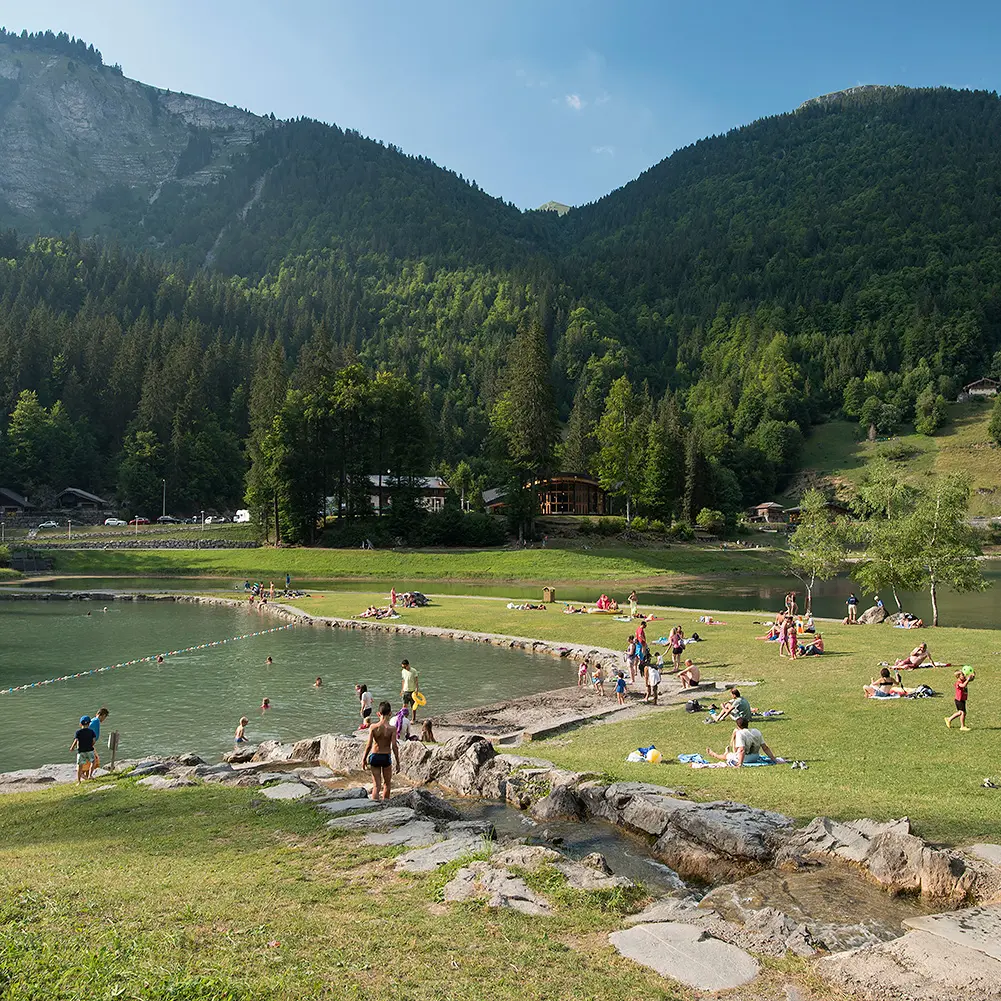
<point>306,750</point>
<point>562,803</point>
<point>190,759</point>
<point>891,856</point>
<point>273,750</point>
<point>872,616</point>
<point>426,804</point>
<point>240,755</point>
<point>434,856</point>
<point>164,782</point>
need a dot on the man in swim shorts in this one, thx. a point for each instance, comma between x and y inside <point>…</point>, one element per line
<point>409,685</point>
<point>380,749</point>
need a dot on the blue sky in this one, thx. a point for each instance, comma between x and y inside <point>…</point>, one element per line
<point>534,100</point>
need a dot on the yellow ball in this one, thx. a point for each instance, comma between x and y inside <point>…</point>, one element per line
<point>654,757</point>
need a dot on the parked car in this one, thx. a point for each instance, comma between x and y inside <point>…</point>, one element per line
<point>216,519</point>
<point>114,522</point>
<point>168,519</point>
<point>49,524</point>
<point>139,521</point>
<point>193,520</point>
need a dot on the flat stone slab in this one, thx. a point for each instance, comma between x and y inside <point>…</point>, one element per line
<point>287,790</point>
<point>375,821</point>
<point>976,928</point>
<point>989,853</point>
<point>414,834</point>
<point>916,967</point>
<point>687,954</point>
<point>346,805</point>
<point>500,887</point>
<point>161,782</point>
<point>44,774</point>
<point>430,858</point>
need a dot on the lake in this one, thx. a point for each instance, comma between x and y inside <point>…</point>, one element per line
<point>193,701</point>
<point>740,593</point>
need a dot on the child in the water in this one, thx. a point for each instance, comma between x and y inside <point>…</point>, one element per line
<point>241,731</point>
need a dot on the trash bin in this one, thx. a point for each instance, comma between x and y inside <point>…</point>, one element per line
<point>548,594</point>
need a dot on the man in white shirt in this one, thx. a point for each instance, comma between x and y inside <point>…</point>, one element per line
<point>746,746</point>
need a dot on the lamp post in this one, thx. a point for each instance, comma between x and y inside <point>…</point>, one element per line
<point>69,529</point>
<point>164,511</point>
<point>203,520</point>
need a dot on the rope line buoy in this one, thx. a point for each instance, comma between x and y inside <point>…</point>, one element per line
<point>144,660</point>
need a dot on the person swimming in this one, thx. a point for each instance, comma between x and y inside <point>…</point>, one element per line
<point>318,683</point>
<point>265,704</point>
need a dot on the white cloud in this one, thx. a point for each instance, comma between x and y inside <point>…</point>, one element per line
<point>574,101</point>
<point>607,150</point>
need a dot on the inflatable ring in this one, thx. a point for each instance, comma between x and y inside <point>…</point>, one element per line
<point>419,700</point>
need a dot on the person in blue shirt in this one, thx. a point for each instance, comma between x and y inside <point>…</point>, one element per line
<point>95,724</point>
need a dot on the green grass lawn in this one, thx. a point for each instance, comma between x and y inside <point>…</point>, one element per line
<point>867,758</point>
<point>839,451</point>
<point>209,894</point>
<point>546,566</point>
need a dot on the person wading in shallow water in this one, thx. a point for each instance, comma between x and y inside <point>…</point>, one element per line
<point>380,749</point>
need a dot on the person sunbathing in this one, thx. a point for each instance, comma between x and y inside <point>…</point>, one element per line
<point>885,685</point>
<point>915,658</point>
<point>747,746</point>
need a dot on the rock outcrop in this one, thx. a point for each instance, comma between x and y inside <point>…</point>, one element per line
<point>872,616</point>
<point>888,853</point>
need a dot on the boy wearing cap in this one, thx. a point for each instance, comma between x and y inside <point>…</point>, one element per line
<point>83,744</point>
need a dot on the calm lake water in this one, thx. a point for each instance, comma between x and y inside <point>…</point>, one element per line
<point>737,594</point>
<point>194,701</point>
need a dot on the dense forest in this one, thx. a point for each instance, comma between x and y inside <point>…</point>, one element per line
<point>838,260</point>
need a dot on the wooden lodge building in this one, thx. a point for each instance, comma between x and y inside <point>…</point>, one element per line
<point>562,493</point>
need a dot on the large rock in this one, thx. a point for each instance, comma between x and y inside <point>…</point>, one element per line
<point>273,750</point>
<point>306,750</point>
<point>687,954</point>
<point>347,805</point>
<point>562,803</point>
<point>888,853</point>
<point>919,966</point>
<point>872,616</point>
<point>427,805</point>
<point>719,840</point>
<point>241,754</point>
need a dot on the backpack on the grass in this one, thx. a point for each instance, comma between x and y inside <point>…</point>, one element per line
<point>694,706</point>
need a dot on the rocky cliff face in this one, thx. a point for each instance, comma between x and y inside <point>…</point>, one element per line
<point>78,140</point>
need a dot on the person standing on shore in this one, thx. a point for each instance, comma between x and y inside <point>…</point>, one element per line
<point>288,582</point>
<point>631,657</point>
<point>632,604</point>
<point>83,744</point>
<point>380,749</point>
<point>95,724</point>
<point>409,687</point>
<point>852,604</point>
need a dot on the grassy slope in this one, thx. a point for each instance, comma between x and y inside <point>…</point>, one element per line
<point>209,894</point>
<point>542,565</point>
<point>866,758</point>
<point>962,446</point>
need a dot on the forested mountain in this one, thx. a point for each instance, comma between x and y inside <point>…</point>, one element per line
<point>842,258</point>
